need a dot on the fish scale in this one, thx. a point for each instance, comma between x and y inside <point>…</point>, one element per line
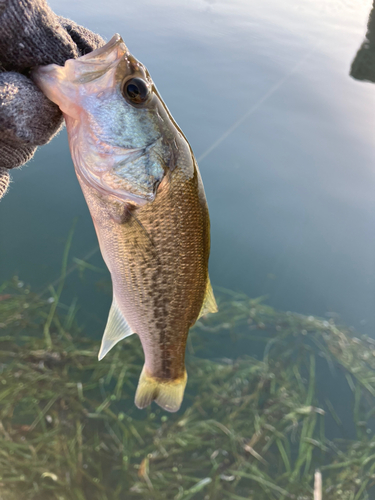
<point>146,199</point>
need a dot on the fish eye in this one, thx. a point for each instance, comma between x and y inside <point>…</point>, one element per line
<point>136,91</point>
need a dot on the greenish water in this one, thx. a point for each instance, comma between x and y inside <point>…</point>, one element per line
<point>285,142</point>
<point>290,190</point>
<point>248,429</point>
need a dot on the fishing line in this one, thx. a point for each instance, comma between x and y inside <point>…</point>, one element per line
<point>208,151</point>
<point>258,104</point>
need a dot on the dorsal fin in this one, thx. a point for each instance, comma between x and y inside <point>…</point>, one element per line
<point>117,329</point>
<point>209,303</point>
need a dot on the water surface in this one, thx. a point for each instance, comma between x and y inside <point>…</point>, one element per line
<point>290,188</point>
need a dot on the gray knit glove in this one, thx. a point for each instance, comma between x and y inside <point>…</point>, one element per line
<point>363,66</point>
<point>31,35</point>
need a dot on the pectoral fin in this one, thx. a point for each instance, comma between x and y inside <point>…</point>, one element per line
<point>117,329</point>
<point>209,303</point>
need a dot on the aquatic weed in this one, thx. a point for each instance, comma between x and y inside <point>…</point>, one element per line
<point>250,428</point>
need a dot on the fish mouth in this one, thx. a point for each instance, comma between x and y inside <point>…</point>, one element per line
<point>113,43</point>
<point>57,82</point>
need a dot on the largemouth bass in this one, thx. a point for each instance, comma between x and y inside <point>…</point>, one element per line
<point>146,198</point>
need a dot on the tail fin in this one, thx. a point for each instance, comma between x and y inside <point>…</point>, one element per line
<point>167,393</point>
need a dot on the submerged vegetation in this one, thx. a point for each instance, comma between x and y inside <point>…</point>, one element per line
<point>250,428</point>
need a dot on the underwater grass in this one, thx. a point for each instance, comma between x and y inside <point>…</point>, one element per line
<point>249,428</point>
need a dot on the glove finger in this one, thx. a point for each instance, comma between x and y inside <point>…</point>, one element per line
<point>14,154</point>
<point>31,35</point>
<point>86,40</point>
<point>26,115</point>
<point>4,181</point>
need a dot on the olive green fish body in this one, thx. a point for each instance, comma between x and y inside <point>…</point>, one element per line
<point>159,281</point>
<point>146,198</point>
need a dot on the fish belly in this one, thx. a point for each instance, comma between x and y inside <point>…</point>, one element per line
<point>158,259</point>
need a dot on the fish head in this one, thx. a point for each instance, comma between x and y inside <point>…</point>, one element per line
<point>122,137</point>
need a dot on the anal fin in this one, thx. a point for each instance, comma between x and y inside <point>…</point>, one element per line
<point>117,329</point>
<point>209,303</point>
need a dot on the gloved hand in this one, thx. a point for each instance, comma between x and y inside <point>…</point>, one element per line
<point>31,35</point>
<point>363,65</point>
